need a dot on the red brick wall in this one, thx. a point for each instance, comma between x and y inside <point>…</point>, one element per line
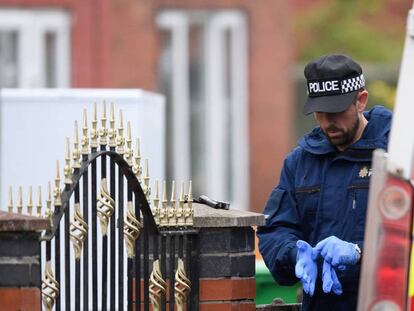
<point>20,298</point>
<point>218,294</point>
<point>133,49</point>
<point>271,102</point>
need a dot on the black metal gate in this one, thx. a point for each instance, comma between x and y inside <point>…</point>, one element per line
<point>140,256</point>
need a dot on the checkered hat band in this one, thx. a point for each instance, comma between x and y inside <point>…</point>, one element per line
<point>352,84</point>
<point>335,86</point>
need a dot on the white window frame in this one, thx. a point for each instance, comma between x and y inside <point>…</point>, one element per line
<point>177,22</point>
<point>215,27</point>
<point>31,26</point>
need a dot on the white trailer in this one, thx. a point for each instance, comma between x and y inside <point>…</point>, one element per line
<point>35,122</point>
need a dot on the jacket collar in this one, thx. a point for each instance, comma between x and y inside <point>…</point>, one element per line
<point>375,135</point>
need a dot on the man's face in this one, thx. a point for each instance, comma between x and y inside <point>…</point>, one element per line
<point>340,128</point>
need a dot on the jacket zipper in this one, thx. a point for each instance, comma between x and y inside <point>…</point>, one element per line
<point>359,186</point>
<point>307,190</point>
<point>354,187</point>
<point>354,201</point>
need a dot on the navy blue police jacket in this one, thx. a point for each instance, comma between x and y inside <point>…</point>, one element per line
<point>322,192</point>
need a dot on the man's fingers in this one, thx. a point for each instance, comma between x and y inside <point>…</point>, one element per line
<point>299,269</point>
<point>306,268</point>
<point>318,248</point>
<point>336,286</point>
<point>306,277</point>
<point>314,254</point>
<point>325,251</point>
<point>305,282</point>
<point>305,287</point>
<point>326,277</point>
<point>312,287</point>
<point>335,261</point>
<point>301,245</point>
<point>330,254</point>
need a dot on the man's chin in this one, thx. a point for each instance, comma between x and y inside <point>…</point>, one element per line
<point>337,141</point>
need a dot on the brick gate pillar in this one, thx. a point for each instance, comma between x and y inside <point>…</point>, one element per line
<point>227,259</point>
<point>20,274</point>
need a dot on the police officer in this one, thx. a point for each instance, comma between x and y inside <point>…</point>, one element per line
<point>315,217</point>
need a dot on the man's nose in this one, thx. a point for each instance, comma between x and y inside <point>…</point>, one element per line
<point>330,116</point>
<point>325,116</point>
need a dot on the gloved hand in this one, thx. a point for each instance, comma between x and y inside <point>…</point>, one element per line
<point>330,279</point>
<point>337,252</point>
<point>306,268</point>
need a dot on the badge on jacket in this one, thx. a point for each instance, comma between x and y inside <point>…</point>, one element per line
<point>365,172</point>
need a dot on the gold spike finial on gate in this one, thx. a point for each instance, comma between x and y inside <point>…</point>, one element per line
<point>188,210</point>
<point>10,204</point>
<point>137,169</point>
<point>128,149</point>
<point>50,287</point>
<point>157,287</point>
<point>39,202</point>
<point>85,139</point>
<point>155,210</point>
<point>94,129</point>
<point>180,209</point>
<point>120,140</point>
<point>190,194</point>
<point>105,207</point>
<point>147,188</point>
<point>112,131</point>
<point>57,191</point>
<point>48,212</point>
<point>76,152</point>
<point>20,200</point>
<point>78,231</point>
<point>132,230</point>
<point>103,133</point>
<point>171,212</point>
<point>67,171</point>
<point>163,216</point>
<point>182,285</point>
<point>30,201</point>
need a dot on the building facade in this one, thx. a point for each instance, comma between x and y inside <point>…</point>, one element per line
<point>225,66</point>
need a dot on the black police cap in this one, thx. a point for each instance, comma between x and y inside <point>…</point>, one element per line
<point>332,82</point>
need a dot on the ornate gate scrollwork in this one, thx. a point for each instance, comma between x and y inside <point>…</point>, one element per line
<point>105,208</point>
<point>50,287</point>
<point>182,285</point>
<point>78,231</point>
<point>158,286</point>
<point>132,230</point>
<point>132,234</point>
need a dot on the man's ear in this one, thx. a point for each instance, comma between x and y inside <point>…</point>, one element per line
<point>362,100</point>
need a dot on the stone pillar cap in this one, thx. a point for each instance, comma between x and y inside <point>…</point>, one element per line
<point>207,217</point>
<point>19,222</point>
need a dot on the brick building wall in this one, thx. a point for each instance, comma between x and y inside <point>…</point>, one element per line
<point>116,44</point>
<point>135,38</point>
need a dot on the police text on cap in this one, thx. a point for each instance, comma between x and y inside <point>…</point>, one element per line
<point>336,86</point>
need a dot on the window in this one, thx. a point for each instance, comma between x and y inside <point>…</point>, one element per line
<point>203,72</point>
<point>34,48</point>
<point>8,58</point>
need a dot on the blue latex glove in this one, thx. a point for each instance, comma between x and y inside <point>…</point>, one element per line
<point>337,252</point>
<point>306,268</point>
<point>330,280</point>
